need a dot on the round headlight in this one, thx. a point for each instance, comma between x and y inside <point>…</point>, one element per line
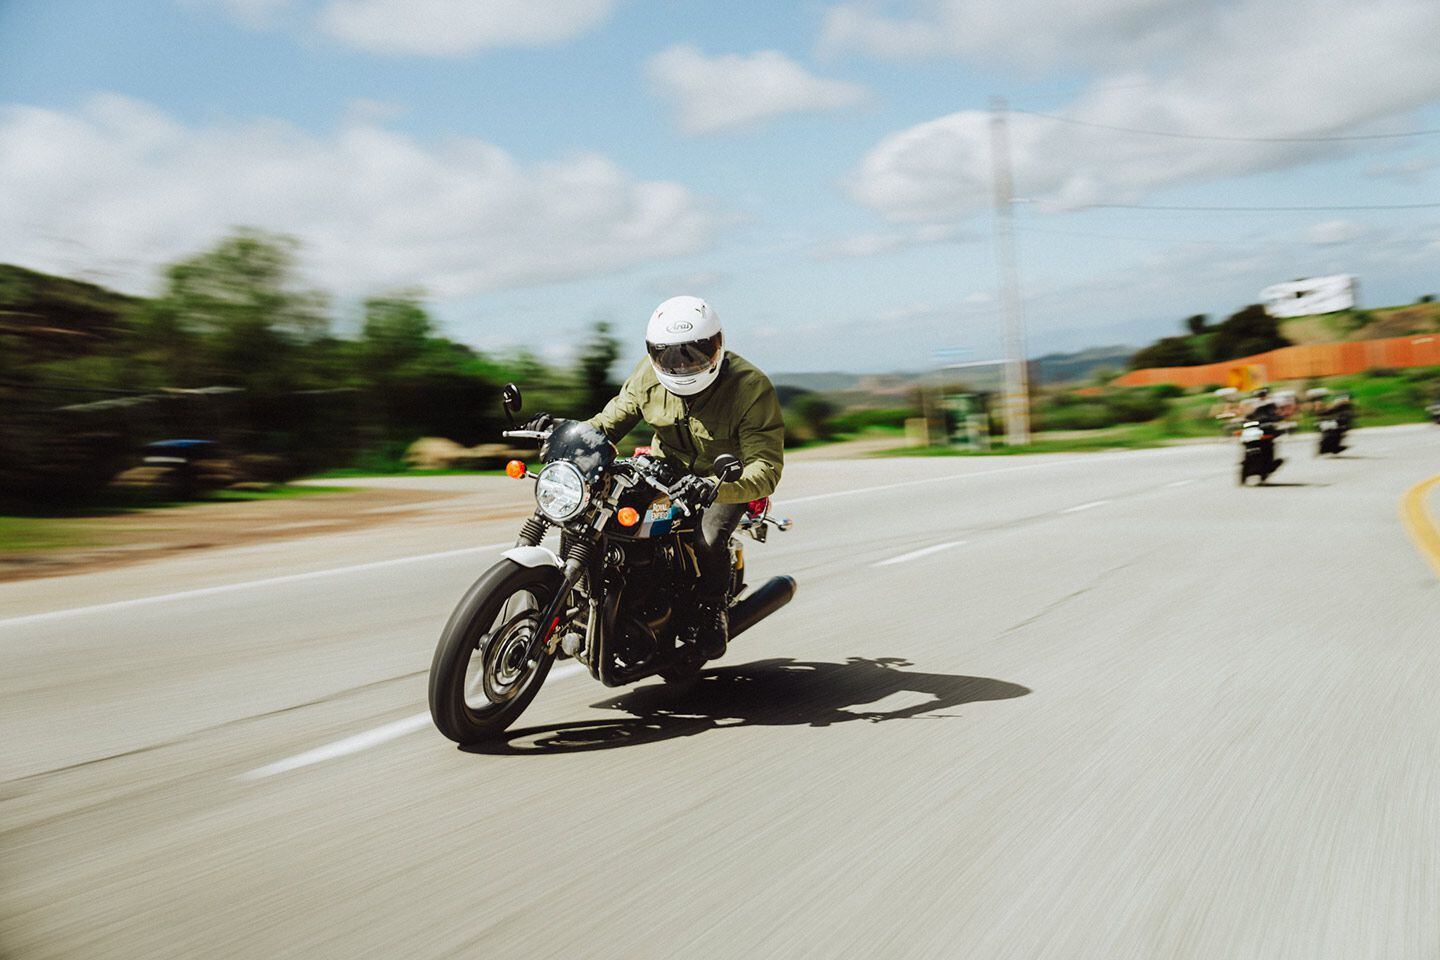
<point>560,491</point>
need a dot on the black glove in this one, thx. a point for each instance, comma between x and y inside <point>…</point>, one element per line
<point>697,493</point>
<point>666,473</point>
<point>541,422</point>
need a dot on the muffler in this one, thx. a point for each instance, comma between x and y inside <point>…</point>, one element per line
<point>761,602</point>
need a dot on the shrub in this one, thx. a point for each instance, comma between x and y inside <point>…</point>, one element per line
<point>853,421</point>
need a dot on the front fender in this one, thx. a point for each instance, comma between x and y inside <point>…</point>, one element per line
<point>532,556</point>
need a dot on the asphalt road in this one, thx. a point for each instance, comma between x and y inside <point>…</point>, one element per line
<point>1100,706</point>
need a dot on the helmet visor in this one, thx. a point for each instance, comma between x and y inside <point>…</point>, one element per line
<point>685,359</point>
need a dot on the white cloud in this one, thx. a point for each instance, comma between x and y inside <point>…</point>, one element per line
<point>1328,233</point>
<point>1209,68</point>
<point>732,92</point>
<point>122,186</point>
<point>450,28</point>
<point>1028,32</point>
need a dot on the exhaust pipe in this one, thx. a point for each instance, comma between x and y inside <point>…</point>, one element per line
<point>762,601</point>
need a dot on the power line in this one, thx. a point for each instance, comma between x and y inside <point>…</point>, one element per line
<point>1233,242</point>
<point>1280,209</point>
<point>1205,136</point>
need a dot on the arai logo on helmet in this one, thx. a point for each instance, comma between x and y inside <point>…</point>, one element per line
<point>680,326</point>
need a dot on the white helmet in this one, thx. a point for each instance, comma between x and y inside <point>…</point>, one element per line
<point>685,344</point>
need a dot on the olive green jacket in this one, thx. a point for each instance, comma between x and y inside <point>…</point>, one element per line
<point>738,414</point>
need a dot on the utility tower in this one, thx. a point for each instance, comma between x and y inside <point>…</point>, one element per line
<point>1017,380</point>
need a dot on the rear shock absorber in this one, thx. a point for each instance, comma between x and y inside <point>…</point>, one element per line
<point>533,532</point>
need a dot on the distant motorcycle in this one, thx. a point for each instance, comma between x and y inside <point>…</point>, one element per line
<point>1434,411</point>
<point>616,595</point>
<point>1257,438</point>
<point>1332,436</point>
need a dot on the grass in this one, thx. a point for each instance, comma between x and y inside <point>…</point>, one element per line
<point>34,534</point>
<point>1396,321</point>
<point>66,528</point>
<point>351,473</point>
<point>1130,436</point>
<point>134,501</point>
<point>1381,399</point>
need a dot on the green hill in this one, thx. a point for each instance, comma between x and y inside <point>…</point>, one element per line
<point>1361,324</point>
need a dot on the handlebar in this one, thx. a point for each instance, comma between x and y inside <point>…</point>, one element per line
<point>682,486</point>
<point>526,434</point>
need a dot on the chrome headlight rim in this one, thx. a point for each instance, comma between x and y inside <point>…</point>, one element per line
<point>551,471</point>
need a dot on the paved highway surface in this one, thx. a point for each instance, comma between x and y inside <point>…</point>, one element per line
<point>1100,706</point>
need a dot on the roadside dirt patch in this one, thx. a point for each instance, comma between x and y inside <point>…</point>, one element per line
<point>93,543</point>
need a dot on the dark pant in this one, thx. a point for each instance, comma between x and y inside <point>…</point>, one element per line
<point>712,548</point>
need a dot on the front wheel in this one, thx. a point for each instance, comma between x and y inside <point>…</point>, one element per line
<point>482,677</point>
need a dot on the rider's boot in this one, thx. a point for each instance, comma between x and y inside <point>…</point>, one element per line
<point>712,628</point>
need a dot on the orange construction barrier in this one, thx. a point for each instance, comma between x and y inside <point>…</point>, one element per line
<point>1299,362</point>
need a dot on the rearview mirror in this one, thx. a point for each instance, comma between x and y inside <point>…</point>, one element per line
<point>728,468</point>
<point>510,396</point>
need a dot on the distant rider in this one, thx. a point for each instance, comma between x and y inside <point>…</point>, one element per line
<point>1266,412</point>
<point>1263,409</point>
<point>703,401</point>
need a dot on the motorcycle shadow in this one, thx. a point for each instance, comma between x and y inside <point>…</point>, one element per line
<point>778,692</point>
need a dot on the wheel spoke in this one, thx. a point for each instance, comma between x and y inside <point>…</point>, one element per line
<point>499,667</point>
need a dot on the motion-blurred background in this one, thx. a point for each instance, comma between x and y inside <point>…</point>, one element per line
<point>283,237</point>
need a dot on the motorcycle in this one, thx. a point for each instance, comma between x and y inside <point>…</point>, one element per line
<point>1434,411</point>
<point>1258,460</point>
<point>616,594</point>
<point>1332,436</point>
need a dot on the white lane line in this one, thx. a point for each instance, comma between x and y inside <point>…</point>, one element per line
<point>246,585</point>
<point>341,748</point>
<point>917,554</point>
<point>372,738</point>
<point>1180,483</point>
<point>1085,506</point>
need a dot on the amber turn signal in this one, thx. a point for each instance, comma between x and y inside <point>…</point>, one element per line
<point>628,516</point>
<point>515,469</point>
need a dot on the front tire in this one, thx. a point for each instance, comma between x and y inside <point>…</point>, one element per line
<point>480,678</point>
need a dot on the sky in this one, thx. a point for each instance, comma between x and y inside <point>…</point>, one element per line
<point>820,171</point>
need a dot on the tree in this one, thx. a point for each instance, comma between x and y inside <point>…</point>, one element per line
<point>816,412</point>
<point>241,300</point>
<point>1198,323</point>
<point>395,331</point>
<point>596,358</point>
<point>1166,352</point>
<point>1246,332</point>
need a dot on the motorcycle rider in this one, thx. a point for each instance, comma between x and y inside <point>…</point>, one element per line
<point>1342,410</point>
<point>703,401</point>
<point>1267,413</point>
<point>1264,409</point>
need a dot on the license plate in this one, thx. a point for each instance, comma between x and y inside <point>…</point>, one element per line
<point>1251,433</point>
<point>1328,425</point>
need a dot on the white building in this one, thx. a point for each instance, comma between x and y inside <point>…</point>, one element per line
<point>1300,298</point>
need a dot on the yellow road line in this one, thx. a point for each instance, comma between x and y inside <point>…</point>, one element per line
<point>1415,511</point>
